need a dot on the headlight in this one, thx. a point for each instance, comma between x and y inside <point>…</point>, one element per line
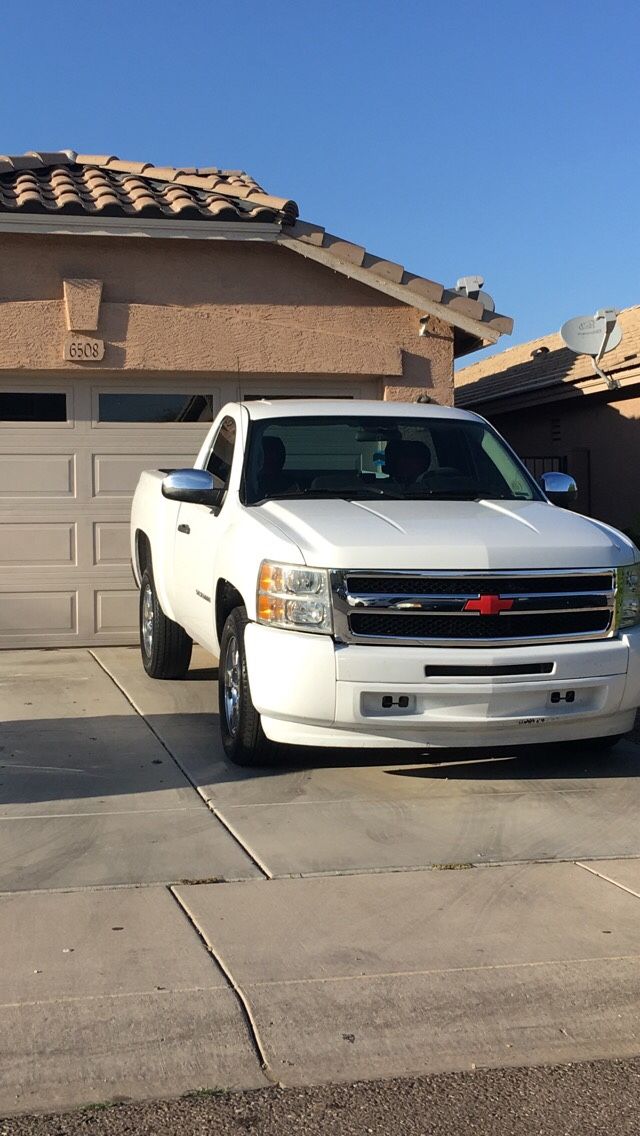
<point>294,597</point>
<point>628,596</point>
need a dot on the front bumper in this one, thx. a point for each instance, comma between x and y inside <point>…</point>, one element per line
<point>311,691</point>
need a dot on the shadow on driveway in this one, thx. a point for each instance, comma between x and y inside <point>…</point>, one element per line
<point>98,757</point>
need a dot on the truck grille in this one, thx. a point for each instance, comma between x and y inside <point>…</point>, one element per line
<point>472,608</point>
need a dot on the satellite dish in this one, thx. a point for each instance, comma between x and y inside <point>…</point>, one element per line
<point>471,286</point>
<point>587,335</point>
<point>595,336</point>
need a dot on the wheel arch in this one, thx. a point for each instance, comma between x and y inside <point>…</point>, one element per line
<point>227,598</point>
<point>143,555</point>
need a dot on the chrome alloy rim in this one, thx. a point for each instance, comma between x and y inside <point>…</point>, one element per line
<point>147,620</point>
<point>232,686</point>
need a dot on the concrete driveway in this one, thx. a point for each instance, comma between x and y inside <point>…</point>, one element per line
<point>169,922</point>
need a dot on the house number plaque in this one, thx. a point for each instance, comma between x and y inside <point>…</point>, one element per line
<point>82,348</point>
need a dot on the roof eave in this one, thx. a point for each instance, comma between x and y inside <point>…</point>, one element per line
<point>466,344</point>
<point>553,391</point>
<point>72,224</point>
<point>482,328</point>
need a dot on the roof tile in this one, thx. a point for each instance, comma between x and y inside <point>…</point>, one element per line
<point>385,268</point>
<point>344,250</point>
<point>102,184</point>
<point>427,288</point>
<point>543,363</point>
<point>64,181</point>
<point>48,158</point>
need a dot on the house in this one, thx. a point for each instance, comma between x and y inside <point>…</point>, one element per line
<point>557,413</point>
<point>134,301</point>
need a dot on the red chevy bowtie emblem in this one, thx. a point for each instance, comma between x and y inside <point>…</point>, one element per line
<point>489,605</point>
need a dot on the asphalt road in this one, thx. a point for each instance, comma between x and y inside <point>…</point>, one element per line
<point>586,1099</point>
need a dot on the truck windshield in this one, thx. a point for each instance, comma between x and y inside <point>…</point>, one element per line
<point>361,458</point>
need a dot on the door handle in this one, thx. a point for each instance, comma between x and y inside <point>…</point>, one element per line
<point>184,529</point>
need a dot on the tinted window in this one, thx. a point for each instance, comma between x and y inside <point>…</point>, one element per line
<point>154,407</point>
<point>221,456</point>
<point>33,407</point>
<point>415,458</point>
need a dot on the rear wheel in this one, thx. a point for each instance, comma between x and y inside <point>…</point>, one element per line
<point>243,738</point>
<point>164,645</point>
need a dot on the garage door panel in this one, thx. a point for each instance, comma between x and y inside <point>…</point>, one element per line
<point>111,543</point>
<point>28,544</point>
<point>116,612</point>
<point>116,475</point>
<point>37,613</point>
<point>37,475</point>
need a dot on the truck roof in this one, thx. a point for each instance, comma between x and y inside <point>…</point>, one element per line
<point>299,407</point>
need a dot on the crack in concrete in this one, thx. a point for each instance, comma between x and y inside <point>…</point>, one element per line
<point>243,1001</point>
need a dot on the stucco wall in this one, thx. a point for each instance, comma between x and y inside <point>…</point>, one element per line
<point>217,307</point>
<point>595,433</point>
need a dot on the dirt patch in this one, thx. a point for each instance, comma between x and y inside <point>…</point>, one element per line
<point>587,1099</point>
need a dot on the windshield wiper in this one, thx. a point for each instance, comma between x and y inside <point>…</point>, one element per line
<point>330,495</point>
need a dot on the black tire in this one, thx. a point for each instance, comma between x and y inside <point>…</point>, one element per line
<point>243,738</point>
<point>164,645</point>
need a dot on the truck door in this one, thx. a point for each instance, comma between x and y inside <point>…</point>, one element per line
<point>199,532</point>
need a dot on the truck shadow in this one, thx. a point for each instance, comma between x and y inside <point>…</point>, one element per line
<point>120,756</point>
<point>529,763</point>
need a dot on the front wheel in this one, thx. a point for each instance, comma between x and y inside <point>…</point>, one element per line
<point>243,738</point>
<point>164,645</point>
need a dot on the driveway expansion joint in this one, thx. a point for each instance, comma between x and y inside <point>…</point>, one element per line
<point>608,879</point>
<point>194,785</point>
<point>245,1005</point>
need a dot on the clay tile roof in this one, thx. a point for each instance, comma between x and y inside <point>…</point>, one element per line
<point>99,184</point>
<point>545,363</point>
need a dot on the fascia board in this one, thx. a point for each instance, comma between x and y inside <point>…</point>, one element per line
<point>72,225</point>
<point>401,292</point>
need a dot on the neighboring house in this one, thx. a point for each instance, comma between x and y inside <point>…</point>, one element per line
<point>558,414</point>
<point>135,301</point>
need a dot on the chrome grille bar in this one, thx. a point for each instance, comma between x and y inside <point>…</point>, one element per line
<point>586,605</point>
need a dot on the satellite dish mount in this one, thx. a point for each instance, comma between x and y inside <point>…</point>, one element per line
<point>594,336</point>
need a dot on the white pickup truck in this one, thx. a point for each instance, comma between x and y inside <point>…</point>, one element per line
<point>385,574</point>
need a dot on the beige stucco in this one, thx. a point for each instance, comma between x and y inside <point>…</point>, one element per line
<point>226,319</point>
<point>221,307</point>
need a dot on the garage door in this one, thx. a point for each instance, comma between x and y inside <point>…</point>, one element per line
<point>70,457</point>
<point>71,452</point>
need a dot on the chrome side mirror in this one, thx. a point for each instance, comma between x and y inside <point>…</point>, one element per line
<point>195,486</point>
<point>559,488</point>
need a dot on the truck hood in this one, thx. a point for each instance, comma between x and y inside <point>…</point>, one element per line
<point>446,535</point>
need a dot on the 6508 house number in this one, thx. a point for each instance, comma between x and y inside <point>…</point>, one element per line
<point>82,348</point>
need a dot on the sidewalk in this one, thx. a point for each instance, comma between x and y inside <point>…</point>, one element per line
<point>164,928</point>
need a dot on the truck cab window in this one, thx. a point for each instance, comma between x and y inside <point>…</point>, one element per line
<point>221,456</point>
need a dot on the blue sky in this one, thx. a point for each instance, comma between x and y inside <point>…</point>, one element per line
<point>498,138</point>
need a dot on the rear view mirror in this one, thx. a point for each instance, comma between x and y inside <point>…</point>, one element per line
<point>560,488</point>
<point>195,486</point>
